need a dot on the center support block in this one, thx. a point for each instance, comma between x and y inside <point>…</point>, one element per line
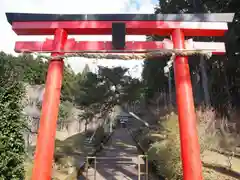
<point>118,35</point>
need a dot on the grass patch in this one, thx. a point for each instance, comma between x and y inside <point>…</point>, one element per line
<point>73,144</point>
<point>69,152</point>
<point>28,165</point>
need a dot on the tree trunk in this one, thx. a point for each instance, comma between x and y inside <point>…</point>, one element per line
<point>204,81</point>
<point>86,126</point>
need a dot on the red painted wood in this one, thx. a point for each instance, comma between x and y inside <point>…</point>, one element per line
<point>217,48</point>
<point>132,27</point>
<point>190,149</point>
<point>42,169</point>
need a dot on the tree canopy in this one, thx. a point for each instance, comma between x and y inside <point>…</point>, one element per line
<point>222,71</point>
<point>99,92</point>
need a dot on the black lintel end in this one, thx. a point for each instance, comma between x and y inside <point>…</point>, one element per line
<point>118,35</point>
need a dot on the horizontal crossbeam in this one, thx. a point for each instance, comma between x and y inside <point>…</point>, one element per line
<point>132,27</point>
<point>72,46</point>
<point>213,17</point>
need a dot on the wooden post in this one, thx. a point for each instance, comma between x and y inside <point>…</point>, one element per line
<point>190,149</point>
<point>42,169</point>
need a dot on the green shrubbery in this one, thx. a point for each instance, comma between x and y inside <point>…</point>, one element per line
<point>166,153</point>
<point>12,150</point>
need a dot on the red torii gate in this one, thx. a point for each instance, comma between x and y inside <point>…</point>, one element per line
<point>178,26</point>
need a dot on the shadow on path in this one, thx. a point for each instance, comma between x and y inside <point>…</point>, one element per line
<point>223,170</point>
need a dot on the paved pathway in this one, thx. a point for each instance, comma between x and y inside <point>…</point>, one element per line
<point>122,162</point>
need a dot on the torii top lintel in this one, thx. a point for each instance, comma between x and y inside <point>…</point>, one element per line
<point>136,24</point>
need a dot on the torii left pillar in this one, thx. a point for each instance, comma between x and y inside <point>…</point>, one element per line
<point>42,169</point>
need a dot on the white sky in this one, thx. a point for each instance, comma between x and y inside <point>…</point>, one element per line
<point>8,37</point>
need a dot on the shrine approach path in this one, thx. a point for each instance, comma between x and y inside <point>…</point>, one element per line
<point>118,160</point>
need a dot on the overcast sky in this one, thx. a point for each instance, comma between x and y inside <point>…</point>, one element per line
<point>8,37</point>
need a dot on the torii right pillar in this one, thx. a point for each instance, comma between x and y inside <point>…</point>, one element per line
<point>190,148</point>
